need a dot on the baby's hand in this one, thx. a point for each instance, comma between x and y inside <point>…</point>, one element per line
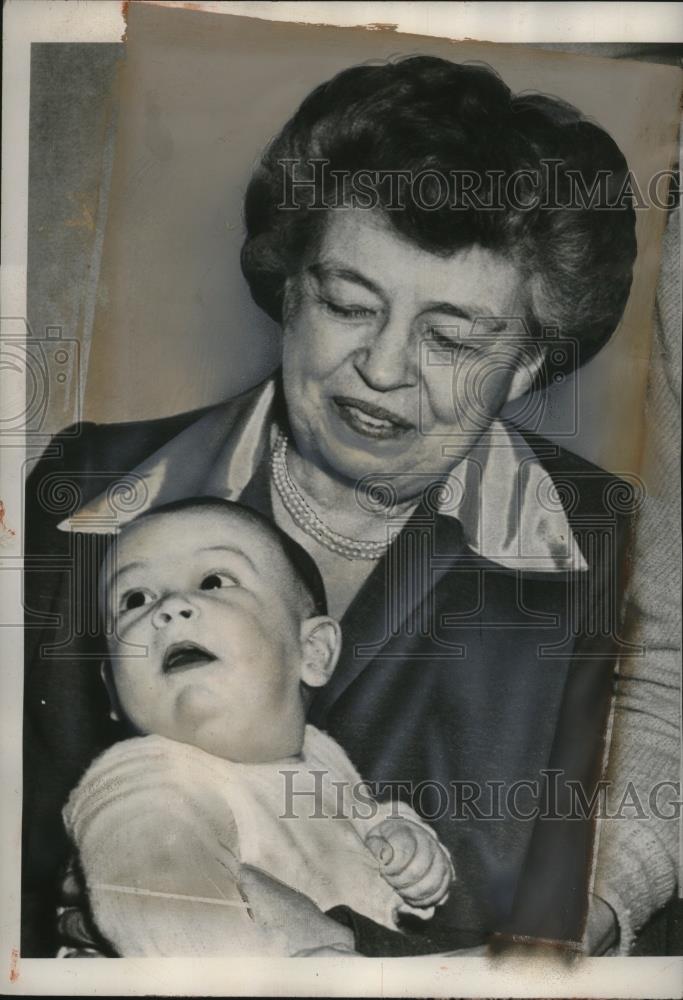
<point>412,861</point>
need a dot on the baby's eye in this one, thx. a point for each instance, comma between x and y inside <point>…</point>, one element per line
<point>214,581</point>
<point>135,599</point>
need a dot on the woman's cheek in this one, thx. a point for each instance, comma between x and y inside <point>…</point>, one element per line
<point>436,400</point>
<point>313,347</point>
<point>467,395</point>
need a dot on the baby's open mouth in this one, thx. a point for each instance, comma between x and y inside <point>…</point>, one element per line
<point>185,656</point>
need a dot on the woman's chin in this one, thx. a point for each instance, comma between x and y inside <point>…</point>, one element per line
<point>354,461</point>
<point>356,452</point>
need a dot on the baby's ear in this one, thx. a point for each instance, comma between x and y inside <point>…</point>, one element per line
<point>105,674</point>
<point>320,648</point>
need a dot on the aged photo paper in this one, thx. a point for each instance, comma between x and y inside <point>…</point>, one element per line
<point>340,502</point>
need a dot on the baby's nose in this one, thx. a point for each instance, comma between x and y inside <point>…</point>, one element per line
<point>171,608</point>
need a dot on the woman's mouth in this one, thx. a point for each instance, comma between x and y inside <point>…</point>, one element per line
<point>185,656</point>
<point>370,420</point>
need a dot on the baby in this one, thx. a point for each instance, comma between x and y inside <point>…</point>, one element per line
<point>219,633</point>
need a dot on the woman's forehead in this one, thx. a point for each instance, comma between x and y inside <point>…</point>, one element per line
<point>362,248</point>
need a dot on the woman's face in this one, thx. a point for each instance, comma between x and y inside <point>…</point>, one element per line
<point>395,359</point>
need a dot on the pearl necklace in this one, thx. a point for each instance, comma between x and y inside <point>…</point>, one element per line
<point>306,518</point>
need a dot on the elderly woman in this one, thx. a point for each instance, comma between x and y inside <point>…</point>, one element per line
<point>415,231</point>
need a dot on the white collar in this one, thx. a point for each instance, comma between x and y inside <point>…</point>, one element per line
<point>501,494</point>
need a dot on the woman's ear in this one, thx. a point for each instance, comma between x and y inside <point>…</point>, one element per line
<point>114,709</point>
<point>526,372</point>
<point>320,648</point>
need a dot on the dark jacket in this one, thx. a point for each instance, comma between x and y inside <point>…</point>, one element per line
<point>473,691</point>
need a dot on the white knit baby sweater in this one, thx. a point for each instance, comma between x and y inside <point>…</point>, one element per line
<point>302,822</point>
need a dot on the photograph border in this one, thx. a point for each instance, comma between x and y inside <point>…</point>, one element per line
<point>103,21</point>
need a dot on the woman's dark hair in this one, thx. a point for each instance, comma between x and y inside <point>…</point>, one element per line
<point>442,121</point>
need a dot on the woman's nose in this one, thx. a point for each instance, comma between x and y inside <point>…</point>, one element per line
<point>387,360</point>
<point>173,607</point>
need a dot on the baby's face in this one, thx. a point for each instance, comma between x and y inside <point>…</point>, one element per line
<point>209,601</point>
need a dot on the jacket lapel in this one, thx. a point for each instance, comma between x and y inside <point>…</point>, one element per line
<point>215,455</point>
<point>395,599</point>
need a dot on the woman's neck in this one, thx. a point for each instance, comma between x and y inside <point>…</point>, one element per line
<point>343,578</point>
<point>344,535</point>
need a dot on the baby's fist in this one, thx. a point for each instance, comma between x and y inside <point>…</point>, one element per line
<point>412,861</point>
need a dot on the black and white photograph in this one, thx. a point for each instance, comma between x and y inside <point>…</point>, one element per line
<point>340,499</point>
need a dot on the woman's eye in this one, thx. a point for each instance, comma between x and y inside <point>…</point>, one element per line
<point>135,599</point>
<point>215,581</point>
<point>444,341</point>
<point>348,312</point>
